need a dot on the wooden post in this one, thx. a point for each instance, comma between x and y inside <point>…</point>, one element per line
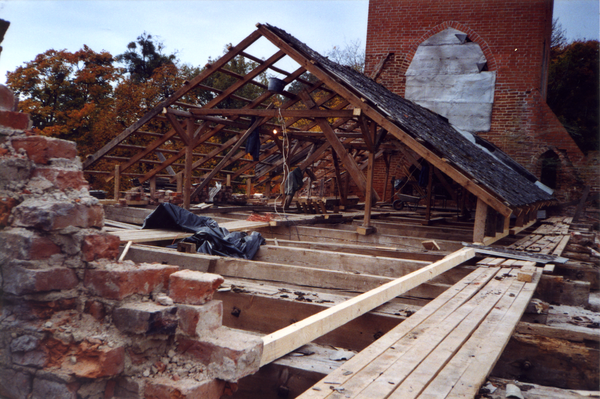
<point>117,182</point>
<point>189,160</point>
<point>228,181</point>
<point>179,182</point>
<point>429,194</point>
<point>480,218</point>
<point>153,187</point>
<point>248,187</point>
<point>367,229</point>
<point>387,159</point>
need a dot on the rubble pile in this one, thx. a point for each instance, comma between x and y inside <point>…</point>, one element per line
<point>77,323</point>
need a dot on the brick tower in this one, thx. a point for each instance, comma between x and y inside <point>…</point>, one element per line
<point>485,64</point>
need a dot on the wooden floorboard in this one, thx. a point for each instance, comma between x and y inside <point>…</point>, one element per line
<point>446,344</point>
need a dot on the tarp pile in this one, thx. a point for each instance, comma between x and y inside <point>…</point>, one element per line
<point>209,238</point>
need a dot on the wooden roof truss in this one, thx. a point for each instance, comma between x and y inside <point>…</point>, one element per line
<point>329,126</point>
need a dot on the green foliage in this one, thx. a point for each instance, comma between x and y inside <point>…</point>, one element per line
<point>573,90</point>
<point>143,57</point>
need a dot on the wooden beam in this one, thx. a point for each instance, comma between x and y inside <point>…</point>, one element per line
<point>117,182</point>
<point>187,187</point>
<point>274,113</point>
<point>286,340</point>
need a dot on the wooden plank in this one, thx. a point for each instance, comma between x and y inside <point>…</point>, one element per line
<point>283,341</point>
<point>513,254</point>
<point>561,245</point>
<point>426,317</point>
<point>478,356</point>
<point>433,347</point>
<point>427,370</point>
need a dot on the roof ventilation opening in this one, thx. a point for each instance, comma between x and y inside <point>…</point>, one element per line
<point>276,85</point>
<point>482,66</point>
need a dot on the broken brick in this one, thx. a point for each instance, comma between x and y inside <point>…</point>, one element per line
<point>20,279</point>
<point>55,215</point>
<point>40,149</point>
<point>229,354</point>
<point>121,281</point>
<point>100,246</point>
<point>62,178</point>
<point>146,318</point>
<point>194,320</point>
<point>165,388</point>
<point>25,244</point>
<point>95,362</point>
<point>192,287</point>
<point>15,120</point>
<point>95,309</point>
<point>6,206</point>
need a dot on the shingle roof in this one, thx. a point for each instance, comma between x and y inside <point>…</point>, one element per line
<point>499,174</point>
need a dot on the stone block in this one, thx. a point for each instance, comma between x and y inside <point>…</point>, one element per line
<point>27,351</point>
<point>93,361</point>
<point>166,388</point>
<point>14,172</point>
<point>25,244</point>
<point>196,320</point>
<point>229,354</point>
<point>62,178</point>
<point>192,287</point>
<point>100,246</point>
<point>56,215</point>
<point>15,120</point>
<point>45,388</point>
<point>14,384</point>
<point>146,318</point>
<point>41,149</point>
<point>20,277</point>
<point>117,281</point>
<point>8,100</point>
<point>128,388</point>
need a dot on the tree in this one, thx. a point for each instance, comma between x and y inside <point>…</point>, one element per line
<point>143,57</point>
<point>68,95</point>
<point>573,82</point>
<point>351,55</point>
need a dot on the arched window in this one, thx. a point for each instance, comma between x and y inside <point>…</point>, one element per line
<point>550,164</point>
<point>448,75</point>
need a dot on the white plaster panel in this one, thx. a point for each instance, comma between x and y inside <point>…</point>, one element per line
<point>446,60</point>
<point>472,117</point>
<point>470,88</point>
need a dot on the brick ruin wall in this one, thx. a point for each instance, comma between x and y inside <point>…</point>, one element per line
<point>514,36</point>
<point>77,323</point>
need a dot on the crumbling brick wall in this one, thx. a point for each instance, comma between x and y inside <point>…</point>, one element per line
<point>77,323</point>
<point>514,36</point>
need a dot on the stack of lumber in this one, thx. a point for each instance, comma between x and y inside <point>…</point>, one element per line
<point>445,350</point>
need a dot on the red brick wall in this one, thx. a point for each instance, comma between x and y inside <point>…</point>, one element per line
<point>514,36</point>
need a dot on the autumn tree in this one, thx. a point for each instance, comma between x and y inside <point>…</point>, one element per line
<point>68,95</point>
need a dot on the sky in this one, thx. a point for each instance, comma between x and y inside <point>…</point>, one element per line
<point>199,29</point>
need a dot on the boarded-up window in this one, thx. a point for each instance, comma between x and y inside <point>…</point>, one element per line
<point>448,76</point>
